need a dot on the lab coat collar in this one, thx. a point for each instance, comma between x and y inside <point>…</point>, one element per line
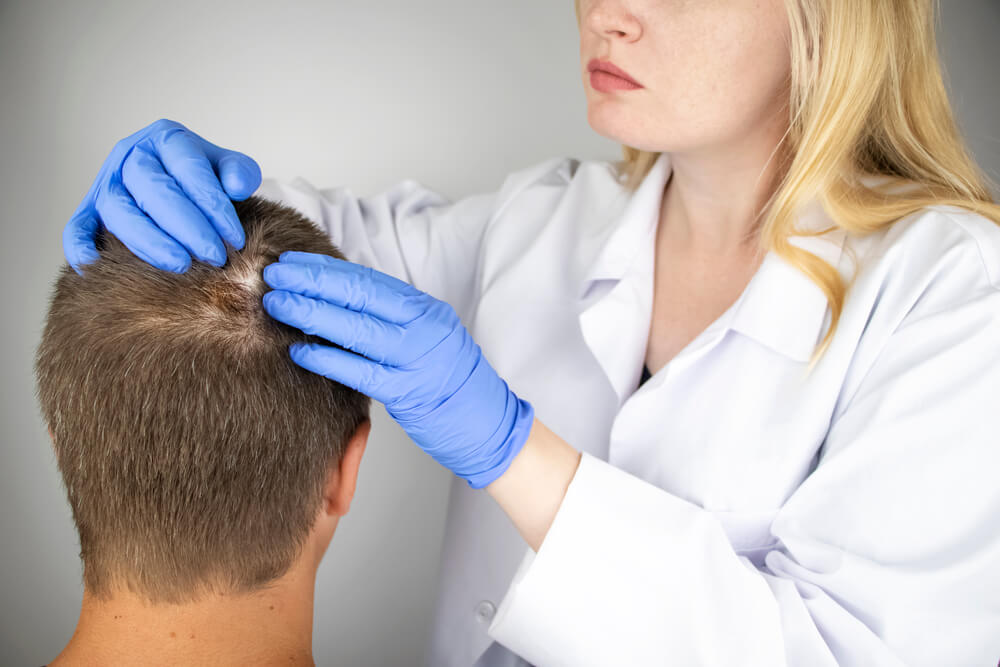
<point>625,238</point>
<point>780,308</point>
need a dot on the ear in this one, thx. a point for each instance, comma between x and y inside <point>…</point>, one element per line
<point>340,483</point>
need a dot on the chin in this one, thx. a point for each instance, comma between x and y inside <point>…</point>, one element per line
<point>611,125</point>
<point>613,122</point>
<point>664,137</point>
<point>628,136</point>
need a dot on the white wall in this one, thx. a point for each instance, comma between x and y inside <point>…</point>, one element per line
<point>454,94</point>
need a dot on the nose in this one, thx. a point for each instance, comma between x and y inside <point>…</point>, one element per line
<point>610,19</point>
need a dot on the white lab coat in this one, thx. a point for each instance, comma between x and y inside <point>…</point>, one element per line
<point>729,511</point>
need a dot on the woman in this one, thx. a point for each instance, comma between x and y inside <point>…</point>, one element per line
<point>739,393</point>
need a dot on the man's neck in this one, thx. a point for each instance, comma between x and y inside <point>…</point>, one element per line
<point>272,626</point>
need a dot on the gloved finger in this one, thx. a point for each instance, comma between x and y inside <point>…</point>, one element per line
<point>158,195</point>
<point>376,339</point>
<point>347,368</point>
<point>126,221</point>
<point>352,286</point>
<point>299,257</point>
<point>238,173</point>
<point>182,157</point>
<point>78,239</point>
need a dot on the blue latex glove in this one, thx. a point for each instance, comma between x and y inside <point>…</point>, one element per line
<point>165,193</point>
<point>412,354</point>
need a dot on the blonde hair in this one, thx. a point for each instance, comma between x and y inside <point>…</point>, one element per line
<point>867,97</point>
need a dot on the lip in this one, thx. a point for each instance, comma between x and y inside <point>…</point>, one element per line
<point>610,68</point>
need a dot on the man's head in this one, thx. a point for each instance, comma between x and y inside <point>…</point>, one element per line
<point>196,455</point>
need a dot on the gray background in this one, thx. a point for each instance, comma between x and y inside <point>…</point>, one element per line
<point>454,94</point>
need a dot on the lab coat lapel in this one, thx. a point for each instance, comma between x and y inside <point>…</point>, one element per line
<point>616,287</point>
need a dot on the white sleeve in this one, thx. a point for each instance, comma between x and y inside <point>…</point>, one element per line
<point>407,231</point>
<point>887,554</point>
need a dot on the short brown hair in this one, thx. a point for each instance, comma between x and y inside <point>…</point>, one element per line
<point>193,450</point>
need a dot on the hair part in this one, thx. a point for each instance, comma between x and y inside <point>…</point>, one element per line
<point>193,450</point>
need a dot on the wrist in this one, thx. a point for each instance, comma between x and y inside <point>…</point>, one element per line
<point>532,488</point>
<point>506,442</point>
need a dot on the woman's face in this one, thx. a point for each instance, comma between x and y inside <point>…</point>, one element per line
<point>712,71</point>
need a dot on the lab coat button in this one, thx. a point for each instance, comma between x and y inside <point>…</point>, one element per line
<point>485,611</point>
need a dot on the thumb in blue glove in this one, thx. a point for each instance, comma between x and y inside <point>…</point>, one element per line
<point>408,350</point>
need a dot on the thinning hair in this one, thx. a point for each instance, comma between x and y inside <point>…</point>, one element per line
<point>193,450</point>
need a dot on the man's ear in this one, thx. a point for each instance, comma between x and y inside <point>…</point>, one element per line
<point>343,478</point>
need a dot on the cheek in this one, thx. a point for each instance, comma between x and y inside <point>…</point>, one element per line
<point>716,77</point>
<point>725,75</point>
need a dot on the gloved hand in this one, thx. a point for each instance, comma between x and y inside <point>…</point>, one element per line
<point>412,354</point>
<point>164,192</point>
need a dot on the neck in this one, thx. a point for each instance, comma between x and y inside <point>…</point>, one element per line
<point>267,627</point>
<point>715,196</point>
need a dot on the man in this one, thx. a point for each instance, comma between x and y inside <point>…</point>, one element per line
<point>205,470</point>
